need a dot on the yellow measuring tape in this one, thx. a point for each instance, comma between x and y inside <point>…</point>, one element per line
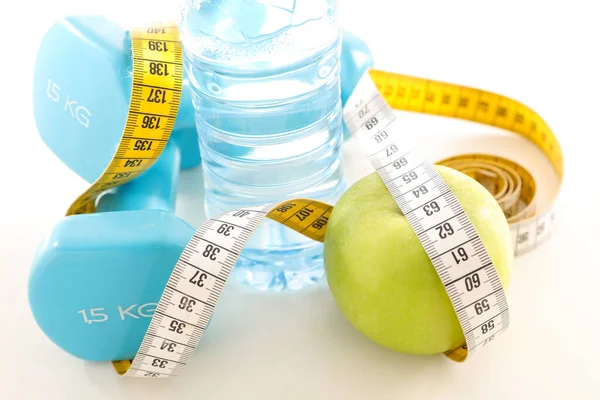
<point>155,96</point>
<point>512,185</point>
<point>156,91</point>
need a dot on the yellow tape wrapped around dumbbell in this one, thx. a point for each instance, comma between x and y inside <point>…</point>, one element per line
<point>155,96</point>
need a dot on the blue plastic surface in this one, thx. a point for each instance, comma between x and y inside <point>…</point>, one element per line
<point>156,189</point>
<point>110,267</point>
<point>356,59</point>
<point>104,263</point>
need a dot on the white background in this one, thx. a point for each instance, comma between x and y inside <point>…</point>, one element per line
<point>298,345</point>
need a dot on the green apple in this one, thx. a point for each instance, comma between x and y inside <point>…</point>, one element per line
<point>381,277</point>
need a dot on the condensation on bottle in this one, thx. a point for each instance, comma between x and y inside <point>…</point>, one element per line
<point>266,92</point>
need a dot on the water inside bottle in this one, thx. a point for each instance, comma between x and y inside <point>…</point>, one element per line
<point>267,97</point>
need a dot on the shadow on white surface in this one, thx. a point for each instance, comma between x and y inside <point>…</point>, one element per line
<point>299,341</point>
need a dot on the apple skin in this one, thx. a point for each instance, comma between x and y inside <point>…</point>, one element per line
<point>381,277</point>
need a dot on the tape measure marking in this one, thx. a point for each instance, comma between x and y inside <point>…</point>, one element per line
<point>155,96</point>
<point>512,185</point>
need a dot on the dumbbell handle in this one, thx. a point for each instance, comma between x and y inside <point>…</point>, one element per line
<point>156,189</point>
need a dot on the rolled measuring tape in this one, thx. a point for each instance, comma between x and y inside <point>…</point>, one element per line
<point>512,184</point>
<point>198,278</point>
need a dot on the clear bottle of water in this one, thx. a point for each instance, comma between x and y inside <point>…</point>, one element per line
<point>266,85</point>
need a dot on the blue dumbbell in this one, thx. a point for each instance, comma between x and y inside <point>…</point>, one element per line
<point>96,278</point>
<point>81,93</point>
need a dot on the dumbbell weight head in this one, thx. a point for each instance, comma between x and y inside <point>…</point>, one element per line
<point>81,93</point>
<point>96,278</point>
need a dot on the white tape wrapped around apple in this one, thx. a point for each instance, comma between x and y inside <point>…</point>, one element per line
<point>381,277</point>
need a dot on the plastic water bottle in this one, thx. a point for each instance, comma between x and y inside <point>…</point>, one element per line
<point>265,77</point>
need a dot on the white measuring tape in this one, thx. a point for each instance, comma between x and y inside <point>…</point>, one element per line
<point>192,291</point>
<point>435,215</point>
<point>191,294</point>
<point>194,287</point>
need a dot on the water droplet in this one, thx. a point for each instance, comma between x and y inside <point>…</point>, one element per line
<point>213,87</point>
<point>330,8</point>
<point>326,66</point>
<point>324,71</point>
<point>212,83</point>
